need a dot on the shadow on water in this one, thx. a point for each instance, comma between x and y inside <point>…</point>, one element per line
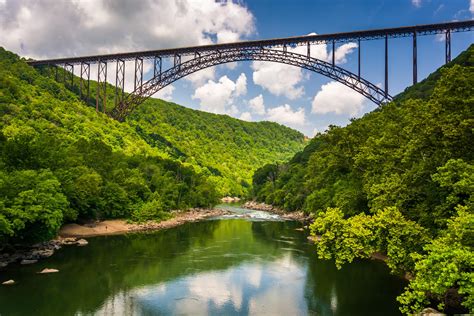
<point>227,266</point>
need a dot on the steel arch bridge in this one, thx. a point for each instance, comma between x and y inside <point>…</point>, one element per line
<point>147,89</point>
<point>271,50</point>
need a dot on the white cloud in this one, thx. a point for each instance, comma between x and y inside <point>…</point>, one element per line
<point>202,76</point>
<point>257,105</point>
<point>166,93</point>
<point>218,97</point>
<point>241,85</point>
<point>42,28</point>
<point>281,79</point>
<point>471,7</point>
<point>416,3</point>
<point>246,116</point>
<point>284,114</point>
<point>337,98</point>
<point>342,51</point>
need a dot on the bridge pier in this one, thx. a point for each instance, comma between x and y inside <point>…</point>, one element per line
<point>358,58</point>
<point>415,62</point>
<point>177,60</point>
<point>138,73</point>
<point>157,67</point>
<point>448,46</point>
<point>85,72</point>
<point>333,52</point>
<point>69,72</point>
<point>386,65</point>
<point>101,85</point>
<point>119,81</point>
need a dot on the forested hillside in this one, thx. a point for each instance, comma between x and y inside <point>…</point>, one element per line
<point>60,161</point>
<point>400,181</point>
<point>226,149</point>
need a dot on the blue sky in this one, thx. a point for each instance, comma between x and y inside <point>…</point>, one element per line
<point>252,91</point>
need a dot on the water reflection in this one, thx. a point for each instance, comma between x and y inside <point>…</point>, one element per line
<point>272,288</point>
<point>231,267</point>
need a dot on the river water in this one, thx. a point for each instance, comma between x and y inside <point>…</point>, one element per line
<point>248,263</point>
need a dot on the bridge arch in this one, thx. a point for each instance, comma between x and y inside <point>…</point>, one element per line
<point>214,58</point>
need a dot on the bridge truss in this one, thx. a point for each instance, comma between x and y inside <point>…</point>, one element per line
<point>273,50</point>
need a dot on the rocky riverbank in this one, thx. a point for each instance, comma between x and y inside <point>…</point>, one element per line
<point>295,216</point>
<point>29,255</point>
<point>72,234</point>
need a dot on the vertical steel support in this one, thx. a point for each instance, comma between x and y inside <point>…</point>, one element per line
<point>177,60</point>
<point>69,75</point>
<point>358,58</point>
<point>101,85</point>
<point>308,52</point>
<point>85,72</point>
<point>284,49</point>
<point>119,82</point>
<point>448,46</point>
<point>138,74</point>
<point>157,67</point>
<point>64,74</point>
<point>386,66</point>
<point>333,52</point>
<point>415,61</point>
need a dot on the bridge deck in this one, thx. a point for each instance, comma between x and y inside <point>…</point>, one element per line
<point>406,31</point>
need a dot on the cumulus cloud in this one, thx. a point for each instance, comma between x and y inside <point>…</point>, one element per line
<point>279,79</point>
<point>246,116</point>
<point>218,97</point>
<point>257,105</point>
<point>337,98</point>
<point>285,80</point>
<point>284,114</point>
<point>471,7</point>
<point>416,3</point>
<point>202,76</point>
<point>50,28</point>
<point>166,93</point>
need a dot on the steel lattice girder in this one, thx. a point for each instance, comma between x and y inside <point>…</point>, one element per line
<point>150,87</point>
<point>375,34</point>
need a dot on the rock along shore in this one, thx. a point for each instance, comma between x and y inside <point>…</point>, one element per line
<point>295,216</point>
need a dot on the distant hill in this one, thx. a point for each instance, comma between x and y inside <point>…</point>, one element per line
<point>228,150</point>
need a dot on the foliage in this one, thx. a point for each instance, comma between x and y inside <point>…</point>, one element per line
<point>446,266</point>
<point>362,235</point>
<point>226,149</point>
<point>409,164</point>
<point>164,157</point>
<point>151,210</point>
<point>393,156</point>
<point>59,161</point>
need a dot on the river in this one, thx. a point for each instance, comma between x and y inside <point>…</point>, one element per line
<point>248,263</point>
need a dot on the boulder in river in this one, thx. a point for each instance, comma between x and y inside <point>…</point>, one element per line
<point>9,282</point>
<point>430,312</point>
<point>82,242</point>
<point>47,270</point>
<point>28,261</point>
